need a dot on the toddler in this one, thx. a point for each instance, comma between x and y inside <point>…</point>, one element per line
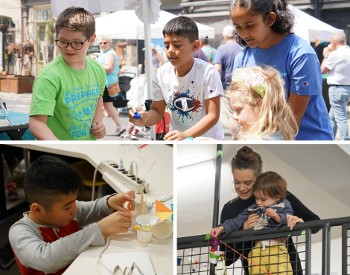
<point>267,256</point>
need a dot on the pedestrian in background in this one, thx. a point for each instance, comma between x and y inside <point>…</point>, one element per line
<point>207,49</point>
<point>336,63</point>
<point>157,59</point>
<point>224,61</point>
<point>110,63</point>
<point>225,55</point>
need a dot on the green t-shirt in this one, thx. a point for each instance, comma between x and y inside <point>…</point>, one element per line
<point>68,97</point>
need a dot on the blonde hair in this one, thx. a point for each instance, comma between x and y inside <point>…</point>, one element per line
<point>106,38</point>
<point>264,87</point>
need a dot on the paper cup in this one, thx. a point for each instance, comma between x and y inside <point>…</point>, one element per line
<point>144,231</point>
<point>163,230</point>
<point>142,220</point>
<point>144,237</point>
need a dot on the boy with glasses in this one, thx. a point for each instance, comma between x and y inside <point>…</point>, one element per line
<point>67,93</point>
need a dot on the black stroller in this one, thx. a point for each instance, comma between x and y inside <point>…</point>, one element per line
<point>120,100</point>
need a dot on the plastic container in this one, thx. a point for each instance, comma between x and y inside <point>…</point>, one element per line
<point>163,230</point>
<point>144,229</point>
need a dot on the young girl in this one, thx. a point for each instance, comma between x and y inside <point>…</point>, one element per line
<point>265,27</point>
<point>267,256</point>
<point>259,106</point>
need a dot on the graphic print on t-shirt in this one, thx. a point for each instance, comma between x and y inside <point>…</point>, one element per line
<point>81,104</point>
<point>184,105</point>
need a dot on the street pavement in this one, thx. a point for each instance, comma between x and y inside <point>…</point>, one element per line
<point>21,103</point>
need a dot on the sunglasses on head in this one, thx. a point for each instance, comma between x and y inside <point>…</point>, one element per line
<point>104,43</point>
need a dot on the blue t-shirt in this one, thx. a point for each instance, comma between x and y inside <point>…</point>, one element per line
<point>225,56</point>
<point>298,64</point>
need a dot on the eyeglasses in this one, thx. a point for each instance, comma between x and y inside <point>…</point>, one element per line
<point>103,43</point>
<point>76,45</point>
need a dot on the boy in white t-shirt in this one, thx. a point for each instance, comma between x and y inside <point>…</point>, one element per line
<point>189,87</point>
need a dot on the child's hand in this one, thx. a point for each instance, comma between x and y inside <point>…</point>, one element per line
<point>98,129</point>
<point>137,121</point>
<point>175,135</point>
<point>216,231</point>
<point>293,220</point>
<point>251,221</point>
<point>270,213</point>
<point>115,223</point>
<point>124,202</point>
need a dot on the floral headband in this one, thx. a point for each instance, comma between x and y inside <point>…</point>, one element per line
<point>252,79</point>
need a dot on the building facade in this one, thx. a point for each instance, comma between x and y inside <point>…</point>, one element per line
<point>10,30</point>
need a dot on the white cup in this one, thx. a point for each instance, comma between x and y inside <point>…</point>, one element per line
<point>144,230</point>
<point>144,237</point>
<point>163,230</point>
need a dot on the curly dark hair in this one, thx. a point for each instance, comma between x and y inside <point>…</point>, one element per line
<point>246,158</point>
<point>284,17</point>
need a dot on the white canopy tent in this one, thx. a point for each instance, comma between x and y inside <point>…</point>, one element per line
<point>310,28</point>
<point>93,6</point>
<point>124,24</point>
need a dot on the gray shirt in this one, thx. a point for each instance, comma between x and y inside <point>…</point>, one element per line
<point>27,238</point>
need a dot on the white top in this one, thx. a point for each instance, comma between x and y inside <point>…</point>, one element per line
<point>185,96</point>
<point>338,62</point>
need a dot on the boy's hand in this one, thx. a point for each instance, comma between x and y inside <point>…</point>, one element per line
<point>293,220</point>
<point>118,202</point>
<point>216,231</point>
<point>175,135</point>
<point>139,121</point>
<point>98,129</point>
<point>251,221</point>
<point>115,223</point>
<point>271,213</point>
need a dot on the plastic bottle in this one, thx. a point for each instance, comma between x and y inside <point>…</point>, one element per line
<point>137,115</point>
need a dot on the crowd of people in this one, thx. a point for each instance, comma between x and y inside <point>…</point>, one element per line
<point>289,94</point>
<point>197,84</point>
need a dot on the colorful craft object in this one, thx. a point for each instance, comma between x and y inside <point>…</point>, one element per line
<point>146,222</point>
<point>214,256</point>
<point>145,228</point>
<point>162,211</point>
